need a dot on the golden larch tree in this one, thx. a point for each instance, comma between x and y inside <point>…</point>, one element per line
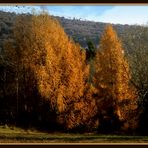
<point>19,55</point>
<point>63,78</point>
<point>57,63</point>
<point>112,78</point>
<point>54,68</point>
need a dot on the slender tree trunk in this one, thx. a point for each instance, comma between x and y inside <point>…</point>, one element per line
<point>17,90</point>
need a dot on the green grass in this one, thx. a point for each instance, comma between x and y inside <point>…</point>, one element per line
<point>18,135</point>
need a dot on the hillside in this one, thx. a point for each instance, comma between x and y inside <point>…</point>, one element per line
<point>80,31</point>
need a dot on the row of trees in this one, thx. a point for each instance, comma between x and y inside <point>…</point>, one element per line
<point>46,80</point>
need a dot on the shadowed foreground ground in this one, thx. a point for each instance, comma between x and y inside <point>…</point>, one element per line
<point>18,135</point>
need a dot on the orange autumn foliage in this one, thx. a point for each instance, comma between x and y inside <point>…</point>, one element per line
<point>51,62</point>
<point>112,78</point>
<point>81,115</point>
<point>58,65</point>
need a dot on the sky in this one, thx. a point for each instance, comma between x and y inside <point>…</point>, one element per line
<point>115,14</point>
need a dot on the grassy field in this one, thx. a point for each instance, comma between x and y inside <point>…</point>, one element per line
<point>18,135</point>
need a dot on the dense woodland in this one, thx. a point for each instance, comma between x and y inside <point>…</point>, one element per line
<point>59,75</point>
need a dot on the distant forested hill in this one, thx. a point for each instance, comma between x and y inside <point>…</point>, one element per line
<point>80,31</point>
